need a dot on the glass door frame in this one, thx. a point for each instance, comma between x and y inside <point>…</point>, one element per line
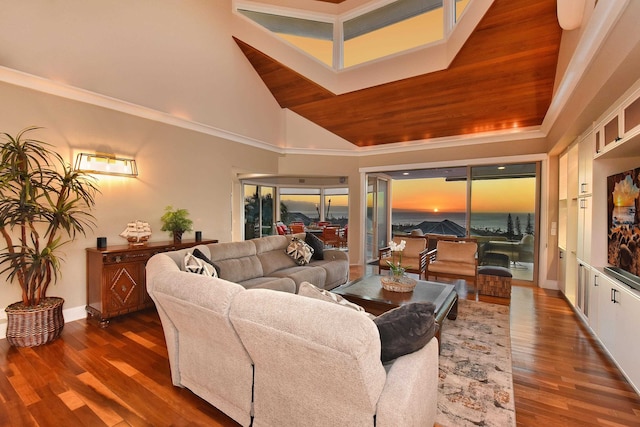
<point>541,180</point>
<point>377,217</point>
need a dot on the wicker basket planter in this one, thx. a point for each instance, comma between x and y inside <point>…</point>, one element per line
<point>33,326</point>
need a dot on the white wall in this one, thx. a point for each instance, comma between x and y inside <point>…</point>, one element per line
<point>174,56</point>
<point>176,166</point>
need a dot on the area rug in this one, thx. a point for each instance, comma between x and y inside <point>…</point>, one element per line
<point>476,385</point>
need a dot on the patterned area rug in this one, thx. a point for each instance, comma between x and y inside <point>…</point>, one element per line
<point>476,384</point>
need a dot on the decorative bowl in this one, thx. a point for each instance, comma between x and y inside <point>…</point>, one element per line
<point>398,284</point>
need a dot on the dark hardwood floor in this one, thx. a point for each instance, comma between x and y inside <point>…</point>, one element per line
<point>119,376</point>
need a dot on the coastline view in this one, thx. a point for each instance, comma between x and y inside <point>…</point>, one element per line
<point>481,222</point>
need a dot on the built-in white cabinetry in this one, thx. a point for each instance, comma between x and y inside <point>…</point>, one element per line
<point>606,314</point>
<point>618,128</point>
<point>571,261</point>
<point>562,270</point>
<point>593,298</point>
<point>618,320</point>
<point>610,308</point>
<point>583,288</point>
<point>586,150</point>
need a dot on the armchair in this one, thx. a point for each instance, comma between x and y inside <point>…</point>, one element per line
<point>414,256</point>
<point>296,228</point>
<point>454,259</point>
<point>331,237</point>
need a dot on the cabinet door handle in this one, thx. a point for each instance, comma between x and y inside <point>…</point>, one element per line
<point>583,187</point>
<point>595,281</point>
<point>613,296</point>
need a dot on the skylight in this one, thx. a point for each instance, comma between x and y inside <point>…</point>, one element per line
<point>359,37</point>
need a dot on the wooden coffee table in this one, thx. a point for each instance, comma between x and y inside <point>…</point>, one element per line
<point>368,293</point>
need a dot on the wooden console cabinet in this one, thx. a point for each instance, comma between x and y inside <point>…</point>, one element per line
<point>116,277</point>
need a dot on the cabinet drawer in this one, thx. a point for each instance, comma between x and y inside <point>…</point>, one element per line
<point>117,258</point>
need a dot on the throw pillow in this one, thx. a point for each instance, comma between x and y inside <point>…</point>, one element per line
<point>198,254</point>
<point>308,290</point>
<point>405,329</point>
<point>198,266</point>
<point>317,245</point>
<point>299,251</point>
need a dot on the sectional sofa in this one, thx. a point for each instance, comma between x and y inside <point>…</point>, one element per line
<point>272,358</point>
<point>263,263</point>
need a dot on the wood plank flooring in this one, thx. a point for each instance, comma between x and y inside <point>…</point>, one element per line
<point>119,376</point>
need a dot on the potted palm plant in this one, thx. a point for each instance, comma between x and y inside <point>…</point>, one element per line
<point>44,204</point>
<point>176,222</point>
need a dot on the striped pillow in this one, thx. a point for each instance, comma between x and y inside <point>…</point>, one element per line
<point>193,264</point>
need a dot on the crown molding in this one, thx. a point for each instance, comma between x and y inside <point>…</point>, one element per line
<point>40,84</point>
<point>519,134</point>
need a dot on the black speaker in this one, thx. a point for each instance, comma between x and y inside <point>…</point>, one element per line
<point>102,243</point>
<point>198,236</point>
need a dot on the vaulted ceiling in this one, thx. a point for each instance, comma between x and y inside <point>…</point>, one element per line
<point>502,78</point>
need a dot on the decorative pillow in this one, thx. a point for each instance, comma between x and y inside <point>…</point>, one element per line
<point>299,251</point>
<point>308,290</point>
<point>198,254</point>
<point>405,329</point>
<point>198,266</point>
<point>317,245</point>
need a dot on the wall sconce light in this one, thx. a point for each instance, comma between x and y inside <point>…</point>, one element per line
<point>106,164</point>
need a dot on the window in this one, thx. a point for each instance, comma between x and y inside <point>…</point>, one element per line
<point>497,206</point>
<point>396,27</point>
<point>309,205</point>
<point>268,201</point>
<point>360,36</point>
<point>436,202</point>
<point>312,37</point>
<point>336,206</point>
<point>300,204</point>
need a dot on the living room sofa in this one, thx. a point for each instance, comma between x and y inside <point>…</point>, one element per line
<point>263,263</point>
<point>270,358</point>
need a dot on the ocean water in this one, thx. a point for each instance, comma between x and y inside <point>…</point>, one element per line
<point>485,220</point>
<point>490,221</point>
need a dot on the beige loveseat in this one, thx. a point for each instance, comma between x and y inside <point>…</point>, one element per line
<point>269,358</point>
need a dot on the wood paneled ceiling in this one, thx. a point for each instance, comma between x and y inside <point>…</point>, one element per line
<point>501,79</point>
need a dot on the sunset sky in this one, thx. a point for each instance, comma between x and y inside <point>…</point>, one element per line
<point>503,195</point>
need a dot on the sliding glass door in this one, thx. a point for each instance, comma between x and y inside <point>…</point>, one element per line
<point>503,216</point>
<point>496,204</point>
<point>377,222</point>
<point>259,211</point>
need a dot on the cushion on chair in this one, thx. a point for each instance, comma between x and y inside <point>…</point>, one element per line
<point>458,252</point>
<point>491,270</point>
<point>451,267</point>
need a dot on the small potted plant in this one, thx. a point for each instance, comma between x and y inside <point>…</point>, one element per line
<point>176,222</point>
<point>44,204</point>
